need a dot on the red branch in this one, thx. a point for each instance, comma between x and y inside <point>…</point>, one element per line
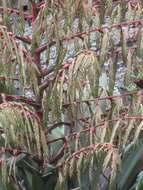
<point>85,149</point>
<point>25,39</point>
<point>12,78</point>
<point>14,151</point>
<point>35,10</point>
<point>29,101</point>
<point>10,10</point>
<point>65,138</point>
<point>101,29</point>
<point>137,92</point>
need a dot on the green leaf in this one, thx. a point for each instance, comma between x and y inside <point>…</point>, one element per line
<point>130,167</point>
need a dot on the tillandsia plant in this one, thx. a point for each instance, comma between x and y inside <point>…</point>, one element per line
<point>64,124</point>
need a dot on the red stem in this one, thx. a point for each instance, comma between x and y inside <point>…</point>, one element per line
<point>138,92</point>
<point>101,29</point>
<point>85,149</point>
<point>12,78</point>
<point>10,10</point>
<point>65,138</point>
<point>30,101</point>
<point>13,150</point>
<point>35,10</point>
